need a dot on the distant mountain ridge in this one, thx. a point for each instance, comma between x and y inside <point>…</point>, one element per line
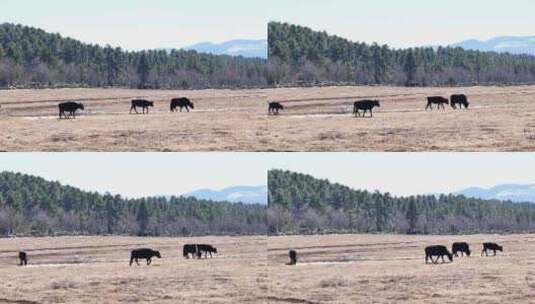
<point>503,44</point>
<point>238,47</point>
<point>237,194</point>
<point>508,192</point>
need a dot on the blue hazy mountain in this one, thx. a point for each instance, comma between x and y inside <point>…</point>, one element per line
<point>512,192</point>
<point>244,194</point>
<point>240,47</point>
<point>510,44</point>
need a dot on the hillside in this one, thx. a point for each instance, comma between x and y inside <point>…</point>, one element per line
<point>504,44</point>
<point>514,193</point>
<point>299,55</point>
<point>30,205</point>
<point>31,57</point>
<point>239,47</point>
<point>300,203</point>
<point>243,194</point>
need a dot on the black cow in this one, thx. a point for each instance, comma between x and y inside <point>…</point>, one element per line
<point>491,246</point>
<point>462,247</point>
<point>438,100</point>
<point>460,100</point>
<point>439,252</point>
<point>141,103</point>
<point>144,253</point>
<point>275,107</point>
<point>365,105</point>
<point>69,107</point>
<point>190,249</point>
<point>293,257</point>
<point>206,249</point>
<point>181,103</point>
<point>23,257</point>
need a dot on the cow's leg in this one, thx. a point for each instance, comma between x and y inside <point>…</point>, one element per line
<point>371,112</point>
<point>149,260</point>
<point>137,262</point>
<point>494,252</point>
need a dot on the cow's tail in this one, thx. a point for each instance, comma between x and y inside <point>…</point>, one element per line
<point>131,259</point>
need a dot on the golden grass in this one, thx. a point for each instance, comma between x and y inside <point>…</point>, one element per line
<point>391,269</point>
<point>223,120</point>
<point>95,270</point>
<point>331,269</point>
<point>319,119</point>
<point>315,119</point>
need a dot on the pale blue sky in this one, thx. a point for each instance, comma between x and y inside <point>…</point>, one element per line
<point>140,174</point>
<point>411,22</point>
<point>136,24</point>
<point>145,174</point>
<point>141,24</point>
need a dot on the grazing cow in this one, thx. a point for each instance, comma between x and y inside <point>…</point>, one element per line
<point>439,252</point>
<point>438,100</point>
<point>69,107</point>
<point>365,105</point>
<point>206,249</point>
<point>141,103</point>
<point>23,257</point>
<point>491,246</point>
<point>460,100</point>
<point>293,257</point>
<point>190,249</point>
<point>275,107</point>
<point>144,253</point>
<point>181,103</point>
<point>463,248</point>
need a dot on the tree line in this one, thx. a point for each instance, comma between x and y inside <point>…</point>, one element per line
<point>30,57</point>
<point>299,55</point>
<point>31,205</point>
<point>302,204</point>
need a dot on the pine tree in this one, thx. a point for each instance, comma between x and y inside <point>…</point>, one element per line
<point>410,69</point>
<point>143,70</point>
<point>412,216</point>
<point>143,218</point>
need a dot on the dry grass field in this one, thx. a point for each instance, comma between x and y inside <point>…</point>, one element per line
<point>95,270</point>
<point>315,119</point>
<point>223,120</point>
<point>391,269</point>
<point>319,119</point>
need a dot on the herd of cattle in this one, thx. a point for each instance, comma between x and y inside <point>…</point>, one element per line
<point>438,251</point>
<point>71,108</point>
<point>274,108</point>
<point>189,250</point>
<point>456,102</point>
